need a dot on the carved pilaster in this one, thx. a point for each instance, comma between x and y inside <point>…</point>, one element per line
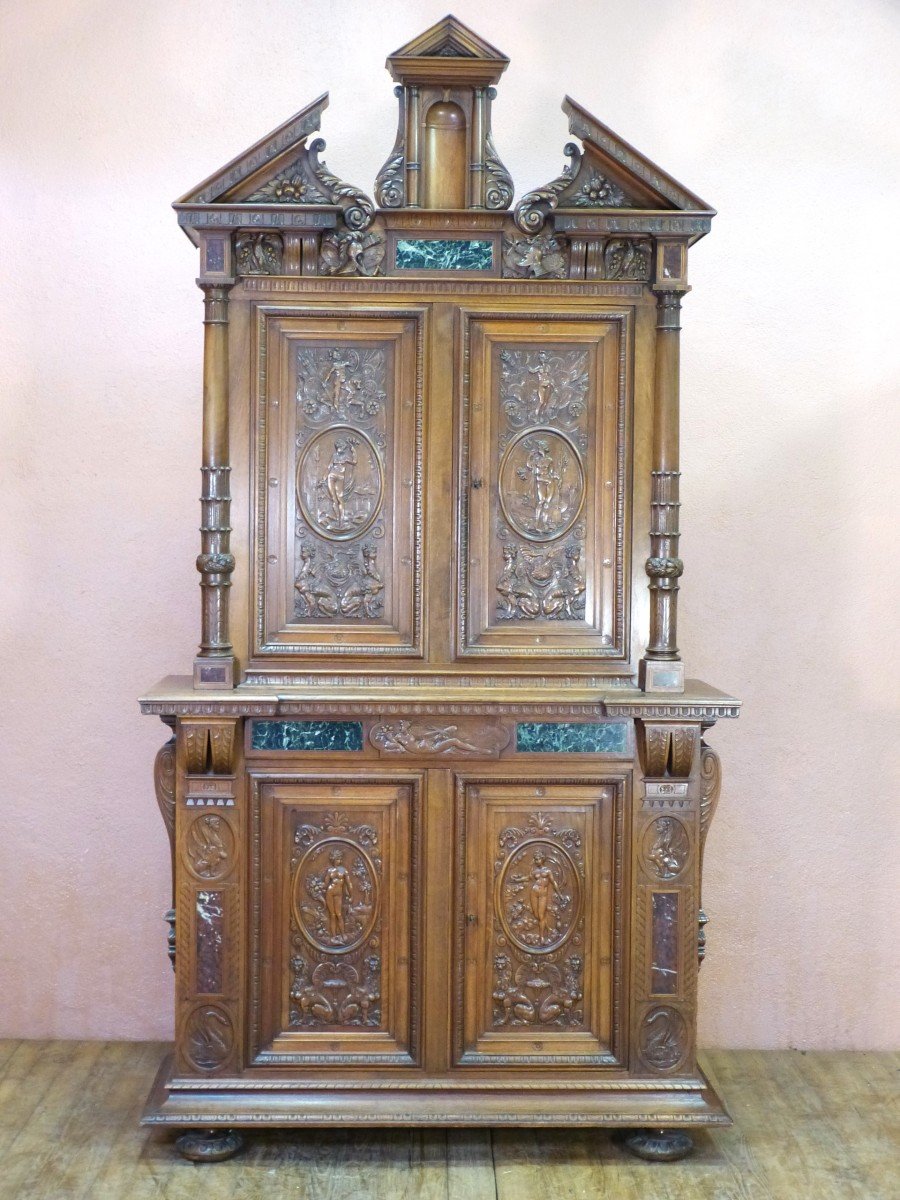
<point>214,665</point>
<point>661,667</point>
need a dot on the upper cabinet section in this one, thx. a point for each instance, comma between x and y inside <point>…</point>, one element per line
<point>277,209</point>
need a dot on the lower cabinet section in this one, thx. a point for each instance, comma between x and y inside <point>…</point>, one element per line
<point>522,919</point>
<point>435,935</point>
<point>535,965</point>
<point>334,938</point>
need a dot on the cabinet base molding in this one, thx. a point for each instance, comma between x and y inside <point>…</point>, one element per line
<point>246,1102</point>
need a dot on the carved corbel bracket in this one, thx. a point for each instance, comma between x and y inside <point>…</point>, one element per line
<point>667,750</point>
<point>209,746</point>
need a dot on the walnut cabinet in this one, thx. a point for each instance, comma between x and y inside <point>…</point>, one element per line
<point>437,789</point>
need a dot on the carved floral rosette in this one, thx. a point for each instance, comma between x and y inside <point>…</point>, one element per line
<point>335,929</point>
<point>537,949</point>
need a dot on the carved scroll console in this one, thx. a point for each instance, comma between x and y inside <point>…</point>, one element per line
<point>437,790</point>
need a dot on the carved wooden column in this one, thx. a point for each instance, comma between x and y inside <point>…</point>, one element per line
<point>214,665</point>
<point>661,668</point>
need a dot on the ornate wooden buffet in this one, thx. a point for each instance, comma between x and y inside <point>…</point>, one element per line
<point>437,791</point>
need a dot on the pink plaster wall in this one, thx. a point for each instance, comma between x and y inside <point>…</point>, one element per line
<point>784,115</point>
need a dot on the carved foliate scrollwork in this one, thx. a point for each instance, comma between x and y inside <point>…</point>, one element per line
<point>259,253</point>
<point>710,790</point>
<point>335,923</point>
<point>498,186</point>
<point>390,186</point>
<point>533,209</point>
<point>538,925</point>
<point>625,258</point>
<point>307,180</point>
<point>164,785</point>
<point>539,257</point>
<point>352,252</point>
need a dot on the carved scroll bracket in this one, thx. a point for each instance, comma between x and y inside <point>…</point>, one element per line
<point>710,789</point>
<point>164,785</point>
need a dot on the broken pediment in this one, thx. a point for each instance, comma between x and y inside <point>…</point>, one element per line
<point>280,182</point>
<point>607,174</point>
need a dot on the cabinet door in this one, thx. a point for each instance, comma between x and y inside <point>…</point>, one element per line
<point>338,483</point>
<point>543,485</point>
<point>334,943</point>
<point>537,978</point>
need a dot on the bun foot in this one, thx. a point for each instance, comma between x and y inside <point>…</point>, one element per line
<point>658,1145</point>
<point>209,1145</point>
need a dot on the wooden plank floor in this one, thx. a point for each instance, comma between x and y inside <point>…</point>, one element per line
<point>816,1126</point>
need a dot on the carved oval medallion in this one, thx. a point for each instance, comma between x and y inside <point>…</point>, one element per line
<point>541,484</point>
<point>209,846</point>
<point>335,895</point>
<point>340,483</point>
<point>208,1036</point>
<point>663,1038</point>
<point>667,847</point>
<point>538,896</point>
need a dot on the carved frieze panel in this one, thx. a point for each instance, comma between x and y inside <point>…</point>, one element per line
<point>536,885</point>
<point>339,484</point>
<point>440,738</point>
<point>542,486</point>
<point>337,895</point>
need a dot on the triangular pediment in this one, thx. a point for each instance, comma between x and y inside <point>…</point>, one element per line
<point>280,181</point>
<point>449,38</point>
<point>634,181</point>
<point>263,159</point>
<point>607,176</point>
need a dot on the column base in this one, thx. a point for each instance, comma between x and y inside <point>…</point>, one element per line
<point>660,675</point>
<point>213,673</point>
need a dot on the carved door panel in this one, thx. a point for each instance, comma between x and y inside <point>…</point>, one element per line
<point>537,979</point>
<point>543,485</point>
<point>335,944</point>
<point>338,483</point>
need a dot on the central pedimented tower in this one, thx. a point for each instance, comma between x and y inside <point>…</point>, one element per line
<point>444,156</point>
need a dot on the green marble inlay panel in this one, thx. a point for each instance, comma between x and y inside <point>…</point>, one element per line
<point>306,735</point>
<point>440,254</point>
<point>568,737</point>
